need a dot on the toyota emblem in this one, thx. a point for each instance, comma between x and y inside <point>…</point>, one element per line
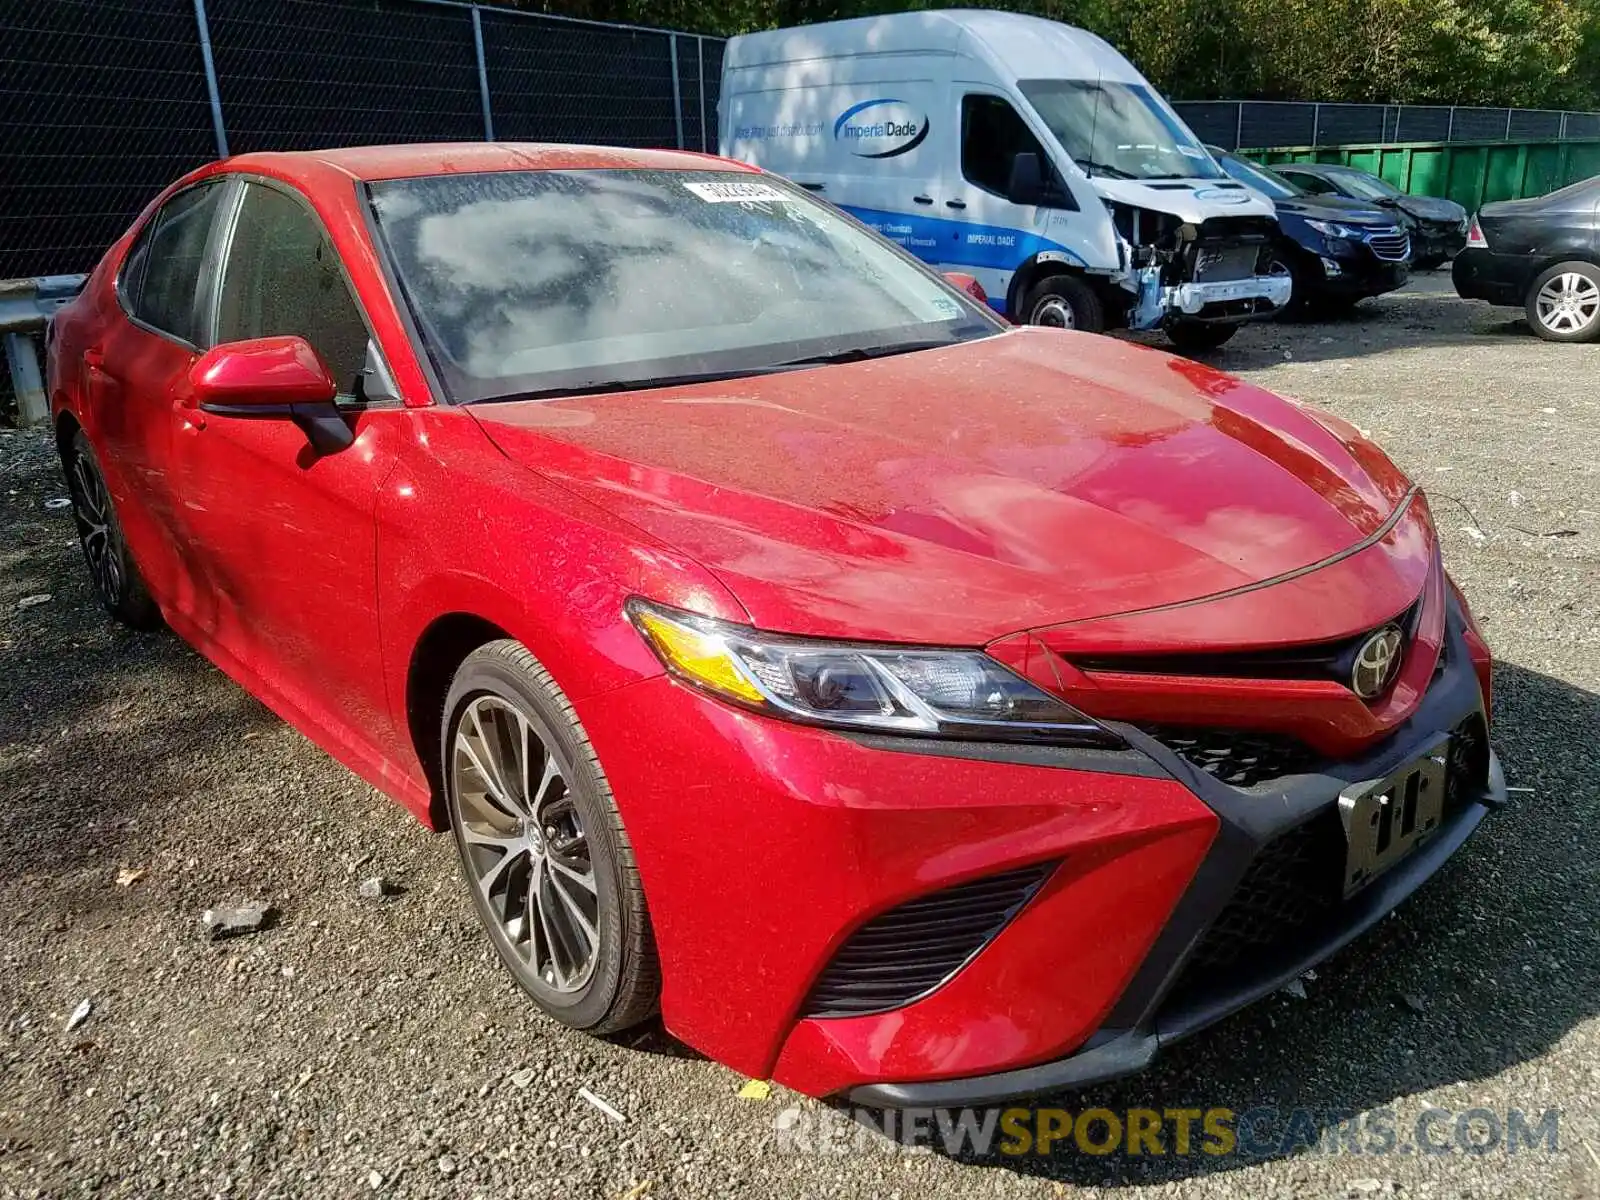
<point>1377,662</point>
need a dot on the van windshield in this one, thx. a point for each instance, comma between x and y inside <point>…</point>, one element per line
<point>1118,130</point>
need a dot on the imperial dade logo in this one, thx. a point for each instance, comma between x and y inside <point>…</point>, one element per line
<point>881,128</point>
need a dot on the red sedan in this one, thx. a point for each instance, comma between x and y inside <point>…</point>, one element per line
<point>907,705</point>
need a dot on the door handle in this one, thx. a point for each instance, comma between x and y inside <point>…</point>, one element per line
<point>955,203</point>
<point>923,199</point>
<point>94,358</point>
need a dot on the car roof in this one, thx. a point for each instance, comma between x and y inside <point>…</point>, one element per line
<point>449,158</point>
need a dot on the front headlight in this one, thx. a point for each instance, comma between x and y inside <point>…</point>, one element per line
<point>1335,230</point>
<point>887,689</point>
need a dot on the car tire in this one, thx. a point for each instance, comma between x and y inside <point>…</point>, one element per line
<point>1064,302</point>
<point>113,574</point>
<point>1563,305</point>
<point>533,819</point>
<point>1200,337</point>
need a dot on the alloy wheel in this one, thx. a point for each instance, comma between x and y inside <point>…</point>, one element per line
<point>524,844</point>
<point>91,507</point>
<point>1568,303</point>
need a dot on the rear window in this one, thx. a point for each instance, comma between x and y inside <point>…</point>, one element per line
<point>538,281</point>
<point>162,271</point>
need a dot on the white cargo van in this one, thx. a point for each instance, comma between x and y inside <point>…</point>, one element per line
<point>1025,152</point>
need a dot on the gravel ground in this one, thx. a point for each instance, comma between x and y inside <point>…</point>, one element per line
<point>361,1046</point>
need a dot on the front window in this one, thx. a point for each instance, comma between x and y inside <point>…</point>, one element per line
<point>543,283</point>
<point>1263,179</point>
<point>1118,130</point>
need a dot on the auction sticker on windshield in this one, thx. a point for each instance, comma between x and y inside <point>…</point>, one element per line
<point>722,191</point>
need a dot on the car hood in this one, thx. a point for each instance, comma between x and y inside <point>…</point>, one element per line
<point>955,495</point>
<point>1432,208</point>
<point>1334,208</point>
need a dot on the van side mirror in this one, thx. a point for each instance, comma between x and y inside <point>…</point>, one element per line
<point>1026,185</point>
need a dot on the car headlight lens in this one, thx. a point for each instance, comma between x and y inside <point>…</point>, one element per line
<point>888,689</point>
<point>1336,230</point>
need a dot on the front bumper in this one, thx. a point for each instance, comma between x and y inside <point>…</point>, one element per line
<point>765,847</point>
<point>1226,297</point>
<point>1360,274</point>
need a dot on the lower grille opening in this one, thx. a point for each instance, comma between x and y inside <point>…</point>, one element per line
<point>1236,757</point>
<point>1296,880</point>
<point>903,954</point>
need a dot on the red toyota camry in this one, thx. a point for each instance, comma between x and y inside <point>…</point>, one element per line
<point>907,705</point>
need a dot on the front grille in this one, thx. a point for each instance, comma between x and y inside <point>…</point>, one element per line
<point>905,953</point>
<point>1320,660</point>
<point>1240,759</point>
<point>1224,263</point>
<point>1391,247</point>
<point>1296,880</point>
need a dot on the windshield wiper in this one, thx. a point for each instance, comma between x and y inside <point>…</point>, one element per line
<point>1091,167</point>
<point>862,353</point>
<point>641,384</point>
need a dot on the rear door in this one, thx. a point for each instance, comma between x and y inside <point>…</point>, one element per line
<point>288,535</point>
<point>136,367</point>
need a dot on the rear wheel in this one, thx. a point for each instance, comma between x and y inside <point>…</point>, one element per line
<point>1064,302</point>
<point>1198,337</point>
<point>1564,303</point>
<point>542,846</point>
<point>112,572</point>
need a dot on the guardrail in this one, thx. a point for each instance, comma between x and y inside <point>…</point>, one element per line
<point>26,306</point>
<point>1470,173</point>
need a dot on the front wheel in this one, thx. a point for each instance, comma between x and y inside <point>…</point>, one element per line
<point>542,846</point>
<point>1198,337</point>
<point>1564,303</point>
<point>1064,302</point>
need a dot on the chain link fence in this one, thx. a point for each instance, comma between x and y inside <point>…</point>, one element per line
<point>108,101</point>
<point>1261,124</point>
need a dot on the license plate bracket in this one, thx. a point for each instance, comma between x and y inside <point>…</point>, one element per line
<point>1386,819</point>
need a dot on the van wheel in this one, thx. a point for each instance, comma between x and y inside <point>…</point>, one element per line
<point>1197,337</point>
<point>1064,302</point>
<point>1564,303</point>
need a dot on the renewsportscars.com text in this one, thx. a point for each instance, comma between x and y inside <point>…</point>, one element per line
<point>1217,1132</point>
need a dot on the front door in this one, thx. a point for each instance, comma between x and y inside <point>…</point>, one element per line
<point>289,537</point>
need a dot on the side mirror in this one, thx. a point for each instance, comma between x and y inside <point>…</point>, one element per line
<point>968,284</point>
<point>1026,185</point>
<point>272,377</point>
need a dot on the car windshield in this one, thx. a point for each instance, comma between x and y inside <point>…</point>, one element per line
<point>1263,179</point>
<point>1367,187</point>
<point>546,283</point>
<point>1118,130</point>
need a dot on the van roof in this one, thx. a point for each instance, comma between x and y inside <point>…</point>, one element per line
<point>1013,44</point>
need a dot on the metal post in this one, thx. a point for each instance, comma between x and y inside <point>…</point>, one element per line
<point>700,56</point>
<point>1450,130</point>
<point>32,408</point>
<point>1238,127</point>
<point>1508,124</point>
<point>1562,136</point>
<point>483,74</point>
<point>204,29</point>
<point>677,92</point>
<point>1316,124</point>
